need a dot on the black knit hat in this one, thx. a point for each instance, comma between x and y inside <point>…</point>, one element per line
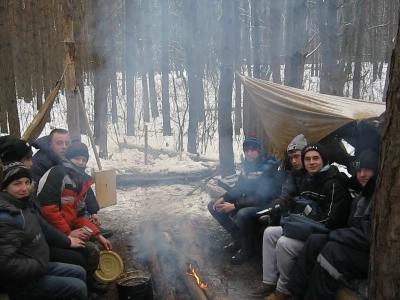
<point>76,149</point>
<point>14,171</point>
<point>13,149</point>
<point>252,142</point>
<point>316,147</point>
<point>366,160</point>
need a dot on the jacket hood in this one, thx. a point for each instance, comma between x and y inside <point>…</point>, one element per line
<point>42,143</point>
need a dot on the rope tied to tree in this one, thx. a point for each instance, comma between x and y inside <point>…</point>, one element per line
<point>65,69</point>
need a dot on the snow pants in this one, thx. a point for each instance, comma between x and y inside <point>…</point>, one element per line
<point>279,257</point>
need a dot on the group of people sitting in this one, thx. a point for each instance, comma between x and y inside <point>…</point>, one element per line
<point>319,225</point>
<point>48,220</point>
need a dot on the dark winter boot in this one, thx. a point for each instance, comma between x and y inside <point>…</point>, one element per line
<point>94,258</point>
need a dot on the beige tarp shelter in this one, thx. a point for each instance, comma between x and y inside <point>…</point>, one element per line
<point>279,112</point>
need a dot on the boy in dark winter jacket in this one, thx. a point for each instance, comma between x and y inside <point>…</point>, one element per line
<point>69,249</point>
<point>327,259</point>
<point>325,186</point>
<point>24,255</point>
<point>62,191</point>
<point>52,150</point>
<point>257,185</point>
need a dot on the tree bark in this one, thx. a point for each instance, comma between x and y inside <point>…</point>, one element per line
<point>255,34</point>
<point>148,45</point>
<point>288,38</point>
<point>130,67</point>
<point>384,272</point>
<point>276,33</point>
<point>165,67</point>
<point>225,130</point>
<point>238,67</point>
<point>7,78</point>
<point>100,79</point>
<point>298,42</point>
<point>327,19</point>
<point>361,7</point>
<point>194,81</point>
<point>70,80</point>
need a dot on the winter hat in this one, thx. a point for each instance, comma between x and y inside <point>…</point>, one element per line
<point>13,149</point>
<point>14,171</point>
<point>77,149</point>
<point>366,160</point>
<point>298,143</point>
<point>316,147</point>
<point>252,142</point>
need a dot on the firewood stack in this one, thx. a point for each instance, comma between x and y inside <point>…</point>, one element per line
<point>169,255</point>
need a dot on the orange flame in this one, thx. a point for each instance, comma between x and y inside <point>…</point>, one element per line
<point>194,274</point>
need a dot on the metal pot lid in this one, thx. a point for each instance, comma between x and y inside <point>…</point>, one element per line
<point>111,266</point>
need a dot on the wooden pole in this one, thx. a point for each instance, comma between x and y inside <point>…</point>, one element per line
<point>89,131</point>
<point>146,145</point>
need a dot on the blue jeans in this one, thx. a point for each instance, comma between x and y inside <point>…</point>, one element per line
<point>63,281</point>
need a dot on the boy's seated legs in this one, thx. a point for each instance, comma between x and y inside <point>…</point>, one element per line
<point>63,281</point>
<point>335,261</point>
<point>226,222</point>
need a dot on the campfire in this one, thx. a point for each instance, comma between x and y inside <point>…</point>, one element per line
<point>192,272</point>
<point>175,261</point>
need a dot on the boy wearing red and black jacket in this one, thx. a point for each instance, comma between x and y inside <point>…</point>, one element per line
<point>62,191</point>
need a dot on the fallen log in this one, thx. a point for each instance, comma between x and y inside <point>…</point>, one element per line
<point>173,266</point>
<point>170,153</point>
<point>143,179</point>
<point>163,290</point>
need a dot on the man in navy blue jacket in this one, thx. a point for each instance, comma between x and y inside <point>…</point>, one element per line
<point>329,259</point>
<point>257,185</point>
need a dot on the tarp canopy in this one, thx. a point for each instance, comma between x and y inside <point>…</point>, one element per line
<point>282,112</point>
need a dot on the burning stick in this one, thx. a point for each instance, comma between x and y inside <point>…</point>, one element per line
<point>204,287</point>
<point>193,273</point>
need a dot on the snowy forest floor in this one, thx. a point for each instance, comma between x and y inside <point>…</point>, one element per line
<point>169,205</point>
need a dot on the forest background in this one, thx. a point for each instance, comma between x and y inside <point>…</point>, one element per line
<point>169,64</point>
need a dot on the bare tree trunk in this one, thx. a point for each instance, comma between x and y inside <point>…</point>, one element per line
<point>191,15</point>
<point>276,33</point>
<point>165,67</point>
<point>225,130</point>
<point>70,81</point>
<point>149,52</point>
<point>327,19</point>
<point>79,60</point>
<point>255,34</point>
<point>113,64</point>
<point>7,78</point>
<point>238,67</point>
<point>288,38</point>
<point>246,36</point>
<point>37,55</point>
<point>361,7</point>
<point>101,82</point>
<point>297,47</point>
<point>384,272</point>
<point>130,66</point>
<point>145,89</point>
